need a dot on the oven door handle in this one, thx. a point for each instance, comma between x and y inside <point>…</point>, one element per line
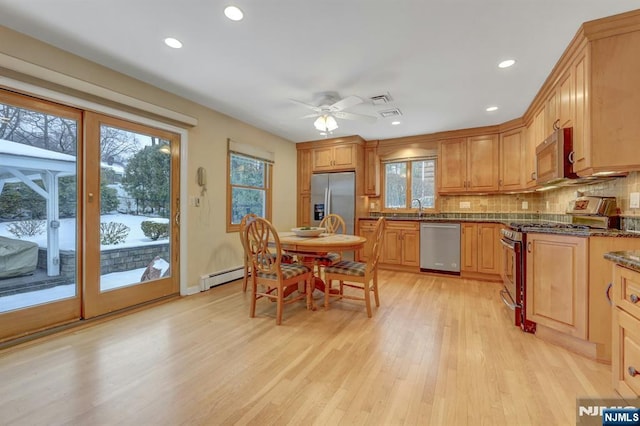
<point>507,300</point>
<point>507,245</point>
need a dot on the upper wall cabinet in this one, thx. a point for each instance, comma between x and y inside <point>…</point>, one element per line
<point>334,158</point>
<point>468,164</point>
<point>607,76</point>
<point>595,89</point>
<point>559,105</point>
<point>512,159</point>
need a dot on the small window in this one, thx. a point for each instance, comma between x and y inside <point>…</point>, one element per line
<point>406,181</point>
<point>249,189</point>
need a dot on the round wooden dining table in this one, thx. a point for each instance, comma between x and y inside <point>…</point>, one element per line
<point>321,244</point>
<point>316,247</point>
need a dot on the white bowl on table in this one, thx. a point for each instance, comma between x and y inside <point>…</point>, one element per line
<point>308,231</point>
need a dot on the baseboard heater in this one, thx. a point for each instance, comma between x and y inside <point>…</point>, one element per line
<point>220,277</point>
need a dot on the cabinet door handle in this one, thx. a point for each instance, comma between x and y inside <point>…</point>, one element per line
<point>608,293</point>
<point>533,175</point>
<point>529,247</point>
<point>632,371</point>
<point>634,298</point>
<point>556,124</point>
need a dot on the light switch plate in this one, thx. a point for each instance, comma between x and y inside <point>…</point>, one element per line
<point>525,205</point>
<point>634,200</point>
<point>465,204</point>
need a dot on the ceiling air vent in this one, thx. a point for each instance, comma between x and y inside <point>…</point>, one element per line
<point>381,99</point>
<point>395,112</point>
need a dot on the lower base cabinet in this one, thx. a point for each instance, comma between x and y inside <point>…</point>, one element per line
<point>400,243</point>
<point>557,282</point>
<point>480,248</point>
<point>625,362</point>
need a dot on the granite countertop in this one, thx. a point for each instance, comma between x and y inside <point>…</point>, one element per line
<point>630,259</point>
<point>437,219</point>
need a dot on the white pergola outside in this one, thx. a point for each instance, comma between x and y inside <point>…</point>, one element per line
<point>26,164</point>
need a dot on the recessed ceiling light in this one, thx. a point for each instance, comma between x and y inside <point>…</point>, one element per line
<point>507,63</point>
<point>172,42</point>
<point>492,108</point>
<point>395,123</point>
<point>234,13</point>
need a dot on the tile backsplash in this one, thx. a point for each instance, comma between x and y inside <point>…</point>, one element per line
<point>619,188</point>
<point>552,203</point>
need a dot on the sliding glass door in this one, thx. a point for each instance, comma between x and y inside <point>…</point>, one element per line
<point>40,171</point>
<point>132,208</point>
<point>88,224</point>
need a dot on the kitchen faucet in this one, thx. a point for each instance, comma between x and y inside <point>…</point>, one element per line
<point>419,206</point>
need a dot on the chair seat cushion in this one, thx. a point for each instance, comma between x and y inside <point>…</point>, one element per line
<point>284,258</point>
<point>328,259</point>
<point>288,271</point>
<point>347,267</point>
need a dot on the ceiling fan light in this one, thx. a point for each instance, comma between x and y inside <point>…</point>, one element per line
<point>319,124</point>
<point>331,122</point>
<point>325,123</point>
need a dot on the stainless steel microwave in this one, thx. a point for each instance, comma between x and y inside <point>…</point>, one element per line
<point>554,162</point>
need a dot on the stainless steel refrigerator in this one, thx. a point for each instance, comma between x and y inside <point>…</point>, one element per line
<point>334,193</point>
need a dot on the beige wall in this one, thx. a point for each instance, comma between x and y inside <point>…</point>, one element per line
<point>210,248</point>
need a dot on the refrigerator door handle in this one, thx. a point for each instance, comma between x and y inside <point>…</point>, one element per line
<point>328,202</point>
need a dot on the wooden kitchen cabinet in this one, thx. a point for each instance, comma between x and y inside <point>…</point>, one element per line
<point>625,362</point>
<point>559,107</point>
<point>595,89</point>
<point>334,158</point>
<point>304,188</point>
<point>371,170</point>
<point>607,74</point>
<point>329,155</point>
<point>557,282</point>
<point>512,160</point>
<point>401,243</point>
<point>599,279</point>
<point>469,164</point>
<point>535,135</point>
<point>480,248</point>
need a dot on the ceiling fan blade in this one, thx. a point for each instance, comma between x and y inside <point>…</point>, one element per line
<point>312,107</point>
<point>345,103</point>
<point>352,116</point>
<point>311,115</point>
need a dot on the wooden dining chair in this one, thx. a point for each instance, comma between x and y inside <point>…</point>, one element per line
<point>247,259</point>
<point>263,245</point>
<point>333,224</point>
<point>357,275</point>
<point>286,258</point>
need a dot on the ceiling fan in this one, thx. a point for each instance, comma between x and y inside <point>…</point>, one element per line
<point>330,106</point>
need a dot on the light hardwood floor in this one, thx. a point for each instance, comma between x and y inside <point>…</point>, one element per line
<point>439,351</point>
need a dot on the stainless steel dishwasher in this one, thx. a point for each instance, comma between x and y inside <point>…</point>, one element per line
<point>440,247</point>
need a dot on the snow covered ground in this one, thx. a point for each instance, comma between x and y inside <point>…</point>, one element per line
<point>68,231</point>
<point>67,242</point>
<point>32,298</point>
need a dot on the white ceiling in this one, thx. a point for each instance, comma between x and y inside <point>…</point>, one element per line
<point>436,58</point>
